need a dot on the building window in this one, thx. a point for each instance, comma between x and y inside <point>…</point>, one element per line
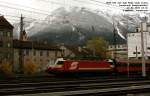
<point>34,52</point>
<point>132,34</point>
<point>4,34</point>
<point>136,52</point>
<point>137,30</point>
<point>40,60</point>
<point>110,46</point>
<point>1,43</point>
<point>8,44</point>
<point>1,33</point>
<point>34,60</point>
<point>8,34</point>
<point>27,52</point>
<point>47,53</point>
<point>7,56</point>
<point>148,48</point>
<point>41,53</point>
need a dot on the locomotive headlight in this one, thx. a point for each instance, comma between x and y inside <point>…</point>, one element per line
<point>58,66</point>
<point>112,66</point>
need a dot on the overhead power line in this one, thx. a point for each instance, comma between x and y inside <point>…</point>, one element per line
<point>58,3</point>
<point>97,3</point>
<point>4,2</point>
<point>12,17</point>
<point>10,7</point>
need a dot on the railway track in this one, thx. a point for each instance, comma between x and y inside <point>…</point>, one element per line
<point>68,86</point>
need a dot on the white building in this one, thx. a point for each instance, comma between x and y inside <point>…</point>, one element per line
<point>119,50</point>
<point>134,42</point>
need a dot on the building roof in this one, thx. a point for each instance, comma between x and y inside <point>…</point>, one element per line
<point>5,23</point>
<point>35,45</point>
<point>81,51</point>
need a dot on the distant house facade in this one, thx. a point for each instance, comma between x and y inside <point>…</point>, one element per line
<point>6,41</point>
<point>76,52</point>
<point>118,51</point>
<point>40,54</point>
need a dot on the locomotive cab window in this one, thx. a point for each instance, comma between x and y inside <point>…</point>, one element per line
<point>60,62</point>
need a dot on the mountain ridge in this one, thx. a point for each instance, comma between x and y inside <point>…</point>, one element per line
<point>77,25</point>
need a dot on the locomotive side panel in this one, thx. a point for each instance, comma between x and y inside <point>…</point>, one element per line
<point>86,65</point>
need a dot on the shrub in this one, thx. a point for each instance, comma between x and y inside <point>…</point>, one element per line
<point>6,69</point>
<point>30,68</point>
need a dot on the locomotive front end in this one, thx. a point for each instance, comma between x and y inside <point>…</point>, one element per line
<point>57,67</point>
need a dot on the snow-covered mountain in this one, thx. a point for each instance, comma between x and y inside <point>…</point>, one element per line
<point>76,25</point>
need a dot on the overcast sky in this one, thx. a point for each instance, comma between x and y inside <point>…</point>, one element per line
<point>41,8</point>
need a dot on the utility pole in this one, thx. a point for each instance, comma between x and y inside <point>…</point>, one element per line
<point>136,52</point>
<point>20,50</point>
<point>128,64</point>
<point>143,53</point>
<point>114,41</point>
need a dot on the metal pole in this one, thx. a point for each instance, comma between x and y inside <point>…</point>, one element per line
<point>114,41</point>
<point>128,64</point>
<point>136,52</point>
<point>20,50</point>
<point>143,54</point>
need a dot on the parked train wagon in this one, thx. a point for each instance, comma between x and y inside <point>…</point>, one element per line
<point>132,67</point>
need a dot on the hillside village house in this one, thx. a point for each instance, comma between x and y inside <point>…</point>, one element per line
<point>6,41</point>
<point>118,51</point>
<point>77,52</point>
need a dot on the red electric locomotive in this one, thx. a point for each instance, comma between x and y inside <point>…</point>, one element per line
<point>62,66</point>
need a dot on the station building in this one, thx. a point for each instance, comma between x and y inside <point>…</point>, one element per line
<point>134,42</point>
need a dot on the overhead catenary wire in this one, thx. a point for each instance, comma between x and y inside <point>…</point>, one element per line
<point>17,5</point>
<point>17,17</point>
<point>57,3</point>
<point>97,3</point>
<point>21,9</point>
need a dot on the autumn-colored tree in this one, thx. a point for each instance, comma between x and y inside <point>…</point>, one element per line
<point>98,46</point>
<point>30,68</point>
<point>6,69</point>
